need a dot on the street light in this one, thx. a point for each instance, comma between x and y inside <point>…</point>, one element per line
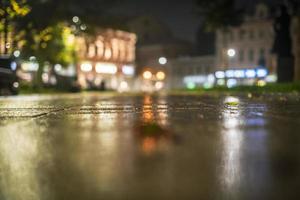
<point>17,53</point>
<point>163,60</point>
<point>147,75</point>
<point>231,53</point>
<point>160,75</point>
<point>75,19</point>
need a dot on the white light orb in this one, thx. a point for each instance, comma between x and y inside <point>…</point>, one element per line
<point>163,60</point>
<point>231,52</point>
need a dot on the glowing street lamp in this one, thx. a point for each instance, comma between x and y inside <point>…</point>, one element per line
<point>147,75</point>
<point>163,60</point>
<point>160,75</point>
<point>75,19</point>
<point>231,53</point>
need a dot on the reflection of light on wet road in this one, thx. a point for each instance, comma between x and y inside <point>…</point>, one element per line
<point>152,133</point>
<point>101,130</point>
<point>20,155</point>
<point>244,136</point>
<point>149,145</point>
<point>162,112</point>
<point>232,141</point>
<point>232,153</point>
<point>148,114</point>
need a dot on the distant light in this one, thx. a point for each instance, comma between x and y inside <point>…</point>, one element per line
<point>45,78</point>
<point>123,86</point>
<point>231,83</point>
<point>261,83</point>
<point>230,73</point>
<point>58,67</point>
<point>32,58</point>
<point>191,86</point>
<point>29,66</point>
<point>160,75</point>
<point>106,68</point>
<point>221,82</point>
<point>231,100</point>
<point>7,45</point>
<point>147,75</point>
<point>83,27</point>
<point>128,70</point>
<point>163,60</point>
<point>199,79</point>
<point>16,85</point>
<point>250,73</point>
<point>261,73</point>
<point>231,52</point>
<point>211,78</point>
<point>17,53</point>
<point>159,85</point>
<point>220,74</point>
<point>239,74</point>
<point>75,19</point>
<point>86,67</point>
<point>13,66</point>
<point>208,85</point>
<point>70,40</point>
<point>271,79</point>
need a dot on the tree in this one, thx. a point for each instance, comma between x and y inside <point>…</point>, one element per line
<point>10,10</point>
<point>219,14</point>
<point>46,28</point>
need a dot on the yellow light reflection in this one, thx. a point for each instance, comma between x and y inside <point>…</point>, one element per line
<point>153,134</point>
<point>148,114</point>
<point>20,155</point>
<point>102,131</point>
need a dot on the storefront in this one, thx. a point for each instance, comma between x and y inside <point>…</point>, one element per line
<point>107,61</point>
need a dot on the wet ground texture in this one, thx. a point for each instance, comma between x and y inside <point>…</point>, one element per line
<point>93,146</point>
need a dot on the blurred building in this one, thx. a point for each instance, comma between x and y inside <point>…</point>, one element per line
<point>191,72</point>
<point>252,42</point>
<point>155,47</point>
<point>107,60</point>
<point>244,53</point>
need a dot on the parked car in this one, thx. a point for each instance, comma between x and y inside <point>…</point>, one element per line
<point>8,78</point>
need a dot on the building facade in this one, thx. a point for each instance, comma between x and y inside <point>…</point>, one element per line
<point>191,72</point>
<point>248,47</point>
<point>106,61</point>
<point>252,42</point>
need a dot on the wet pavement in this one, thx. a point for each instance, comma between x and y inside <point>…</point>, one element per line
<point>93,146</point>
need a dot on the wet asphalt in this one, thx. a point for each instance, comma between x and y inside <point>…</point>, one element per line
<point>94,146</point>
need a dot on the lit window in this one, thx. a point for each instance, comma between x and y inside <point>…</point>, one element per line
<point>92,51</point>
<point>106,68</point>
<point>86,67</point>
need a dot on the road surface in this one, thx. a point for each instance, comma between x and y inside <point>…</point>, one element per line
<point>95,146</point>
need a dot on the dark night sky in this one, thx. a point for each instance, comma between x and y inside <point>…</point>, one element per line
<point>180,15</point>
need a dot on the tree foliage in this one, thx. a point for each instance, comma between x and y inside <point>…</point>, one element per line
<point>10,11</point>
<point>219,13</point>
<point>43,26</point>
